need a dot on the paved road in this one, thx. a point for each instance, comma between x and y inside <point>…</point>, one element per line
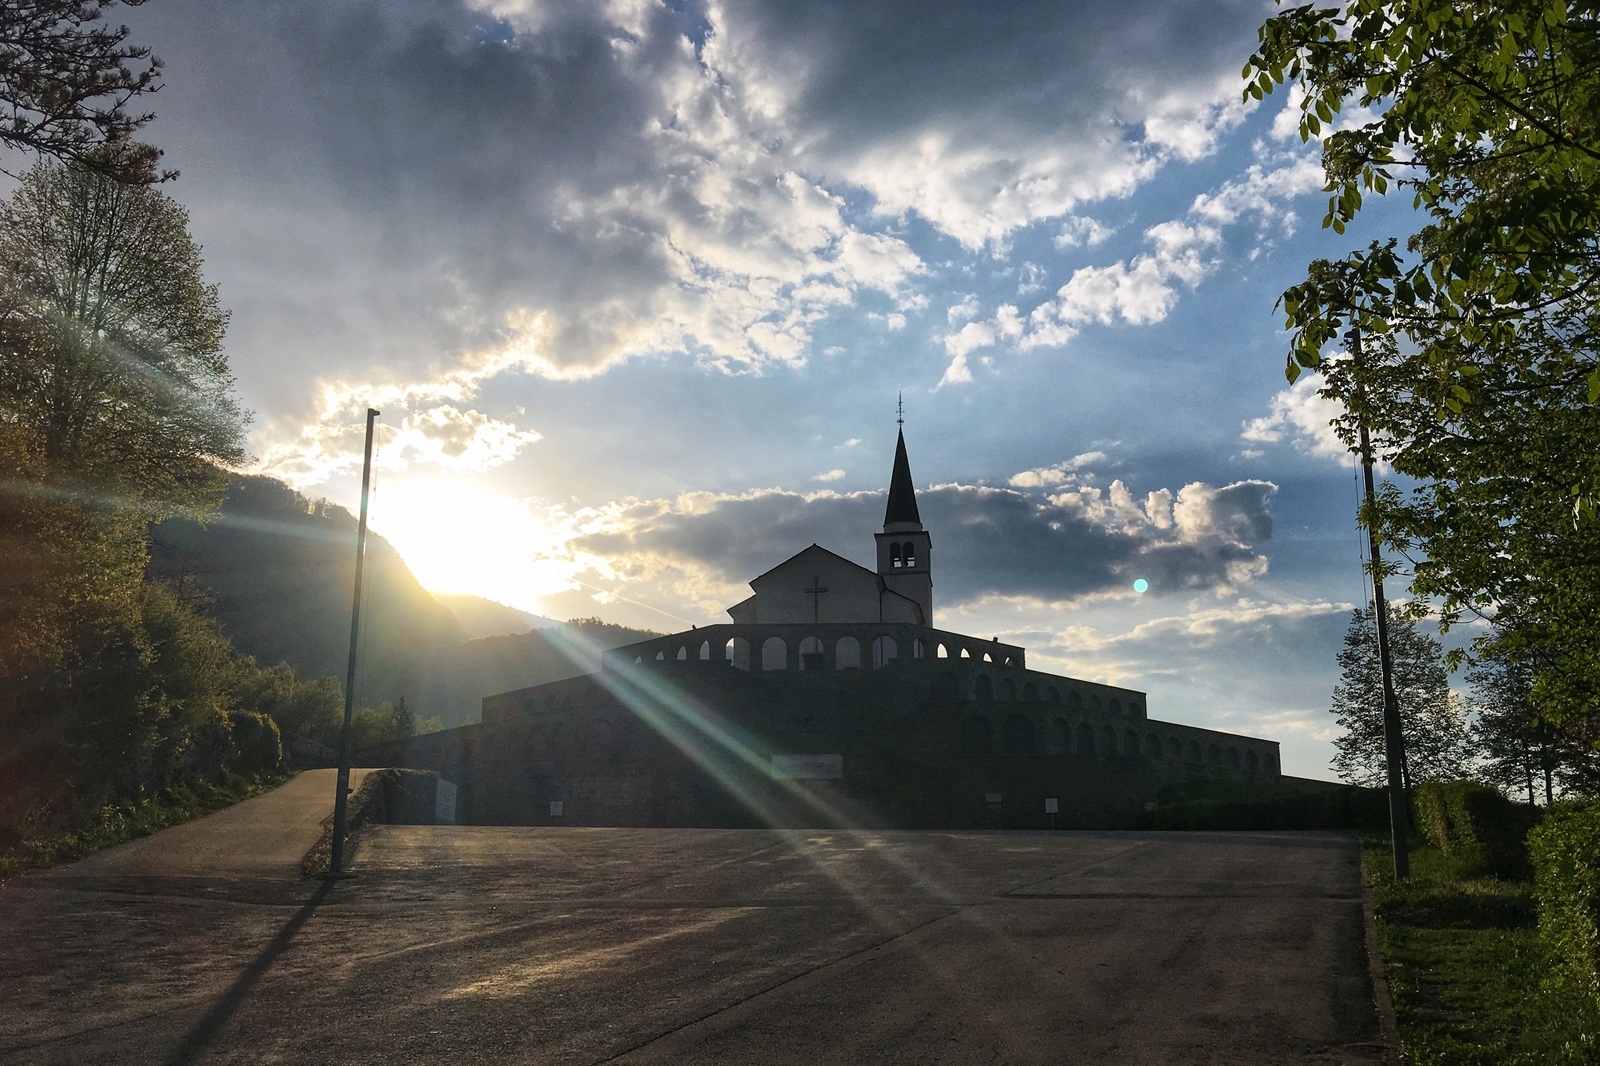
<point>264,837</point>
<point>471,944</point>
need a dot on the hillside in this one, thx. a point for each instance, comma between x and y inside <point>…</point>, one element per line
<point>276,571</point>
<point>481,617</point>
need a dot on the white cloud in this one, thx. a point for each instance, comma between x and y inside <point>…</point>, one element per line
<point>966,309</point>
<point>1304,417</point>
<point>831,475</point>
<point>1061,473</point>
<point>1079,231</point>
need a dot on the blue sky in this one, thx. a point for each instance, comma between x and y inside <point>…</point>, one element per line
<point>636,287</point>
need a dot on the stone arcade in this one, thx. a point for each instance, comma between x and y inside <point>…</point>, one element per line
<point>830,699</point>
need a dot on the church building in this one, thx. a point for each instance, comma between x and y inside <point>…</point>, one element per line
<point>830,698</point>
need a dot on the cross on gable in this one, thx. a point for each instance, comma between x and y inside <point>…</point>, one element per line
<point>816,592</point>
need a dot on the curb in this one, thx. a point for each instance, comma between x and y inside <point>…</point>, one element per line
<point>1388,1029</point>
<point>357,813</point>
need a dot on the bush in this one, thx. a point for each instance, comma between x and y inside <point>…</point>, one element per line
<point>1565,849</point>
<point>1477,829</point>
<point>257,747</point>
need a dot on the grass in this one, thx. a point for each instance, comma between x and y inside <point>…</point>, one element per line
<point>1464,962</point>
<point>127,819</point>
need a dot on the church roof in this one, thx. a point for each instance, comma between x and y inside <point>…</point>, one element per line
<point>814,548</point>
<point>902,494</point>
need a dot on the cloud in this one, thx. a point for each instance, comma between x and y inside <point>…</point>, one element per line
<point>1082,232</point>
<point>831,475</point>
<point>442,436</point>
<point>1056,475</point>
<point>1144,289</point>
<point>989,542</point>
<point>1304,417</point>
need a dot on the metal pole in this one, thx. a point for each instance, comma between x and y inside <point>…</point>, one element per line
<point>1393,737</point>
<point>342,789</point>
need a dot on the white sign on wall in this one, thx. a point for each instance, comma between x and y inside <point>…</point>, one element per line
<point>556,807</point>
<point>1052,806</point>
<point>808,767</point>
<point>444,803</point>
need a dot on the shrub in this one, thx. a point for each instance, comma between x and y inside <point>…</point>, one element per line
<point>1476,828</point>
<point>257,748</point>
<point>1565,849</point>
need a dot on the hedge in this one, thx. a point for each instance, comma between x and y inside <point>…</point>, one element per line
<point>1565,849</point>
<point>1477,829</point>
<point>257,747</point>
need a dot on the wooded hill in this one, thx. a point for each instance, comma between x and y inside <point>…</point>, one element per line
<point>276,571</point>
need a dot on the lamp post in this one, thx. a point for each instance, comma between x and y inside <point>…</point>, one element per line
<point>1393,737</point>
<point>342,788</point>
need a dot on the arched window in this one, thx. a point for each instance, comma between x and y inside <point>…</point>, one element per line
<point>1108,740</point>
<point>774,654</point>
<point>1094,703</point>
<point>965,654</point>
<point>847,654</point>
<point>683,654</point>
<point>1233,758</point>
<point>1052,694</point>
<point>946,689</point>
<point>705,650</point>
<point>908,555</point>
<point>1251,763</point>
<point>942,652</point>
<point>1116,706</point>
<point>661,656</point>
<point>1174,748</point>
<point>988,658</point>
<point>894,556</point>
<point>1030,693</point>
<point>1214,755</point>
<point>1085,745</point>
<point>1074,700</point>
<point>1130,743</point>
<point>884,650</point>
<point>1020,738</point>
<point>637,661</point>
<point>1152,746</point>
<point>919,650</point>
<point>1193,751</point>
<point>976,738</point>
<point>737,652</point>
<point>1270,761</point>
<point>1008,690</point>
<point>982,690</point>
<point>811,655</point>
<point>1060,737</point>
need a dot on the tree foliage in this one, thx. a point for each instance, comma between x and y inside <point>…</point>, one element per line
<point>1435,730</point>
<point>1479,367</point>
<point>111,351</point>
<point>67,80</point>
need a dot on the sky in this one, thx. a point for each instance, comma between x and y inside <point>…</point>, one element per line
<point>636,287</point>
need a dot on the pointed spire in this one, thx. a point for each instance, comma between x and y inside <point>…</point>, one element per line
<point>902,507</point>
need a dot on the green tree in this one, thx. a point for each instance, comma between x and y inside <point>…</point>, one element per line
<point>111,341</point>
<point>1436,737</point>
<point>1478,366</point>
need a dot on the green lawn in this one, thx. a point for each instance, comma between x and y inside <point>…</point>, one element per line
<point>1464,965</point>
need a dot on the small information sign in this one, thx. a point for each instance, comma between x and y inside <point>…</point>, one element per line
<point>556,807</point>
<point>1052,806</point>
<point>991,797</point>
<point>444,803</point>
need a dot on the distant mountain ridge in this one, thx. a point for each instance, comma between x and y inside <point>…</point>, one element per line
<point>276,570</point>
<point>483,617</point>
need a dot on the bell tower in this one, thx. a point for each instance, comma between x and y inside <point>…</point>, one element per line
<point>904,546</point>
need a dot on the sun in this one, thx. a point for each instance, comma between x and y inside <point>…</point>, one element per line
<point>457,536</point>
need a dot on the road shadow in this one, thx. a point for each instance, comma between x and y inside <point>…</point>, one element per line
<point>207,1028</point>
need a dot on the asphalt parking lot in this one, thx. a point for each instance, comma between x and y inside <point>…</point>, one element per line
<point>541,945</point>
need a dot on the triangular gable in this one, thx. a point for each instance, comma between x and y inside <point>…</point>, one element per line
<point>813,549</point>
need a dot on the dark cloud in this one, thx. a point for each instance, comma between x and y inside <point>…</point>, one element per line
<point>986,541</point>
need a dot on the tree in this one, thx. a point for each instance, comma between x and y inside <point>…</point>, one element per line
<point>1435,730</point>
<point>1479,367</point>
<point>66,83</point>
<point>111,341</point>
